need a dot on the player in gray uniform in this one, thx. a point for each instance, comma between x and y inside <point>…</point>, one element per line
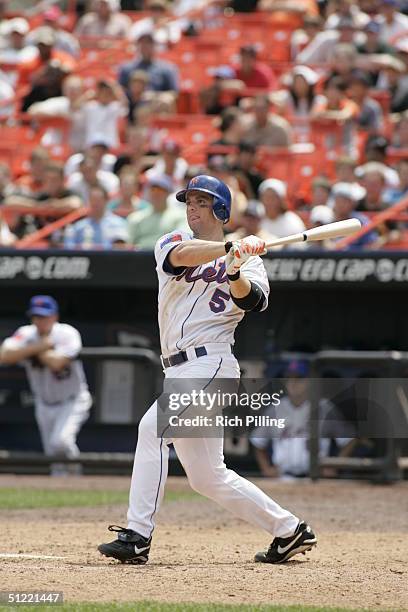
<point>205,288</point>
<point>49,351</point>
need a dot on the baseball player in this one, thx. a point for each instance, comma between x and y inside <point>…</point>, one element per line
<point>205,288</point>
<point>49,351</point>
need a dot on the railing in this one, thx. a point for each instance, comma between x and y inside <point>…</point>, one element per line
<point>386,215</point>
<point>102,460</point>
<point>387,468</point>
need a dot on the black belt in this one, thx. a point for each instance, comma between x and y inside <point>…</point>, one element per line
<point>67,399</point>
<point>181,357</point>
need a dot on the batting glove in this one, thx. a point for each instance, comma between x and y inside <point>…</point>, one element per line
<point>240,252</point>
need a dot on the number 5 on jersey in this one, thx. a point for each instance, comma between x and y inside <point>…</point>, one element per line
<point>218,299</point>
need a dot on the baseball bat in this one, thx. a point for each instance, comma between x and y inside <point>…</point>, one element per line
<point>330,230</point>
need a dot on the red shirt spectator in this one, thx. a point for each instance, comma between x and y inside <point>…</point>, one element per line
<point>254,74</point>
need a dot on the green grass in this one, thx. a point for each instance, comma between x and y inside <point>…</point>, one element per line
<point>13,499</point>
<point>151,606</point>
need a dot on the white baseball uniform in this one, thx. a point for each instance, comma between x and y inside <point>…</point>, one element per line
<point>290,450</point>
<point>195,310</point>
<point>62,400</point>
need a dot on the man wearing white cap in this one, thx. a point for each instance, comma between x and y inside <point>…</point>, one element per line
<point>13,44</point>
<point>279,221</point>
<point>346,197</point>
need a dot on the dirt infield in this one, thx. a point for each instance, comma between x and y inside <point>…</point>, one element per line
<point>202,554</point>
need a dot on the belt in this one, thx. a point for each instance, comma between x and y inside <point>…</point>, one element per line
<point>67,399</point>
<point>192,353</point>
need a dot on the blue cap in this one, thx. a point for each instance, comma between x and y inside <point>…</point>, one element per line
<point>297,367</point>
<point>373,26</point>
<point>42,305</point>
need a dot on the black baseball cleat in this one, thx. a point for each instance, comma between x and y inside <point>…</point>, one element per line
<point>283,549</point>
<point>130,547</point>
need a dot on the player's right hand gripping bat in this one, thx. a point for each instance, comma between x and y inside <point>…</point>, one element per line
<point>330,230</point>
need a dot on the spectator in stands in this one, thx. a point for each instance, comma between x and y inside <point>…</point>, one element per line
<point>400,135</point>
<point>375,151</point>
<point>170,163</point>
<point>163,76</point>
<point>338,108</point>
<point>320,50</point>
<point>345,9</point>
<point>134,153</point>
<point>105,106</point>
<point>264,128</point>
<point>98,151</point>
<point>104,20</point>
<point>90,175</point>
<point>345,169</point>
<point>127,200</point>
<point>211,97</point>
<point>394,80</point>
<point>300,99</point>
<point>33,72</point>
<point>166,30</point>
<point>279,221</point>
<point>312,25</point>
<point>290,455</point>
<point>373,180</point>
<point>370,115</point>
<point>231,126</point>
<point>345,205</point>
<point>373,43</point>
<point>67,106</point>
<point>136,92</point>
<point>7,238</point>
<point>320,215</point>
<point>64,41</point>
<point>343,61</point>
<point>245,170</point>
<point>53,196</point>
<point>7,96</point>
<point>101,228</point>
<point>393,195</point>
<point>253,73</point>
<point>32,183</point>
<point>251,223</point>
<point>14,45</point>
<point>6,184</point>
<point>395,23</point>
<point>321,188</point>
<point>146,226</point>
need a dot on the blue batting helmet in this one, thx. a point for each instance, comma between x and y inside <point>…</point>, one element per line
<point>214,187</point>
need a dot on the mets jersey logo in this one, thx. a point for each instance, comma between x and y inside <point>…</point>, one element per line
<point>211,274</point>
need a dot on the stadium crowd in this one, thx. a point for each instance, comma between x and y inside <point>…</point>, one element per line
<point>107,108</point>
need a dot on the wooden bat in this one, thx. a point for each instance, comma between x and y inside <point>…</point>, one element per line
<point>330,230</point>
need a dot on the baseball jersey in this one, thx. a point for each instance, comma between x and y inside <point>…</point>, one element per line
<point>48,386</point>
<point>195,305</point>
<point>290,445</point>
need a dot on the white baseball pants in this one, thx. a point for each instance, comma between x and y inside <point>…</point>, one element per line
<point>203,462</point>
<point>59,425</point>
